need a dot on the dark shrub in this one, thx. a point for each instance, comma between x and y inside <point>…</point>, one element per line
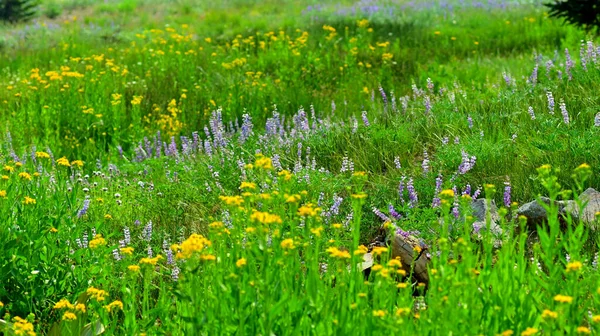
<point>582,13</point>
<point>17,10</point>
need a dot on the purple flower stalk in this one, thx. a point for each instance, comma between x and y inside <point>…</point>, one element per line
<point>430,85</point>
<point>84,209</point>
<point>507,190</point>
<point>534,76</point>
<point>412,194</point>
<point>365,119</point>
<point>470,121</point>
<point>393,212</point>
<point>397,162</point>
<point>425,163</point>
<point>569,64</point>
<point>597,120</point>
<point>427,103</point>
<point>381,215</point>
<point>531,113</point>
<point>550,102</point>
<point>563,110</point>
<point>383,96</point>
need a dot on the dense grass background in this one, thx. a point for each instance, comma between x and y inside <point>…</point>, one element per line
<point>404,91</point>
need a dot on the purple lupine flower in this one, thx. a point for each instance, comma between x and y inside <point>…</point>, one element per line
<point>381,215</point>
<point>150,253</point>
<point>335,207</point>
<point>583,56</point>
<point>470,121</point>
<point>455,210</point>
<point>569,64</point>
<point>404,103</point>
<point>531,113</point>
<point>147,233</point>
<point>467,190</point>
<point>175,273</point>
<point>401,188</point>
<point>597,120</point>
<point>425,163</point>
<point>445,141</point>
<point>534,76</point>
<point>208,148</point>
<point>277,162</point>
<point>116,254</point>
<point>559,74</point>
<point>246,130</point>
<point>84,209</point>
<point>397,163</point>
<point>550,102</point>
<point>467,163</point>
<point>563,110</point>
<point>85,239</point>
<point>430,85</point>
<point>170,259</point>
<point>395,214</point>
<point>372,96</point>
<point>507,190</point>
<point>427,103</point>
<point>436,202</point>
<point>127,236</point>
<point>507,78</point>
<point>383,96</point>
<point>365,119</point>
<point>412,194</point>
<point>477,193</point>
<point>477,226</point>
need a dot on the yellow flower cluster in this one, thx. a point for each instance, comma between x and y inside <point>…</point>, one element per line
<point>97,294</point>
<point>63,162</point>
<point>265,218</point>
<point>22,327</point>
<point>151,261</point>
<point>285,174</point>
<point>232,200</point>
<point>126,250</point>
<point>63,303</point>
<point>308,210</point>
<point>337,253</point>
<point>195,243</point>
<point>574,266</point>
<point>114,305</point>
<point>247,185</point>
<point>263,162</point>
<point>97,241</point>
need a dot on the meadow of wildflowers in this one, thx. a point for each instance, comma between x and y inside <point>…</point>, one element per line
<point>199,168</point>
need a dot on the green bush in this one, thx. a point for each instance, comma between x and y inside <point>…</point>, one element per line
<point>582,13</point>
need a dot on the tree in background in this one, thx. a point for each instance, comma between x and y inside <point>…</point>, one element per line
<point>582,13</point>
<point>17,10</point>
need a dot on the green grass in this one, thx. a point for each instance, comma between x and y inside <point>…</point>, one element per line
<point>99,81</point>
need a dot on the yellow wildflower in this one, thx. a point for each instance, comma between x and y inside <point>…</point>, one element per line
<point>292,198</point>
<point>80,307</point>
<point>247,185</point>
<point>265,218</point>
<point>133,268</point>
<point>563,298</point>
<point>150,261</point>
<point>583,330</point>
<point>69,316</point>
<point>317,231</point>
<point>263,162</point>
<point>359,174</point>
<point>387,57</point>
<point>337,253</point>
<point>195,243</point>
<point>596,318</point>
<point>360,195</point>
<point>25,176</point>
<point>574,266</point>
<point>77,163</point>
<point>232,200</point>
<point>378,250</point>
<point>107,216</point>
<point>114,305</point>
<point>397,263</point>
<point>549,314</point>
<point>22,327</point>
<point>287,244</point>
<point>42,155</point>
<point>63,303</point>
<point>308,210</point>
<point>126,250</point>
<point>97,241</point>
<point>241,262</point>
<point>63,162</point>
<point>29,200</point>
<point>379,313</point>
<point>53,230</point>
<point>361,250</point>
<point>3,193</point>
<point>9,169</point>
<point>529,331</point>
<point>97,294</point>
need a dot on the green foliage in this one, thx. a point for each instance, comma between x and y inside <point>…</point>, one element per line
<point>17,10</point>
<point>583,13</point>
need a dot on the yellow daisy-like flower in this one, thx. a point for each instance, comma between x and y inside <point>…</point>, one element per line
<point>63,162</point>
<point>97,241</point>
<point>29,200</point>
<point>114,305</point>
<point>241,262</point>
<point>42,155</point>
<point>529,331</point>
<point>9,169</point>
<point>563,298</point>
<point>574,266</point>
<point>583,330</point>
<point>25,176</point>
<point>150,261</point>
<point>379,313</point>
<point>337,253</point>
<point>248,185</point>
<point>3,193</point>
<point>77,163</point>
<point>63,303</point>
<point>287,244</point>
<point>69,316</point>
<point>361,250</point>
<point>126,250</point>
<point>97,294</point>
<point>549,314</point>
<point>359,195</point>
<point>133,268</point>
<point>108,216</point>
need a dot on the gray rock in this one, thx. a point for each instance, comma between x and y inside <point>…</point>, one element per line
<point>534,211</point>
<point>590,201</point>
<point>480,209</point>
